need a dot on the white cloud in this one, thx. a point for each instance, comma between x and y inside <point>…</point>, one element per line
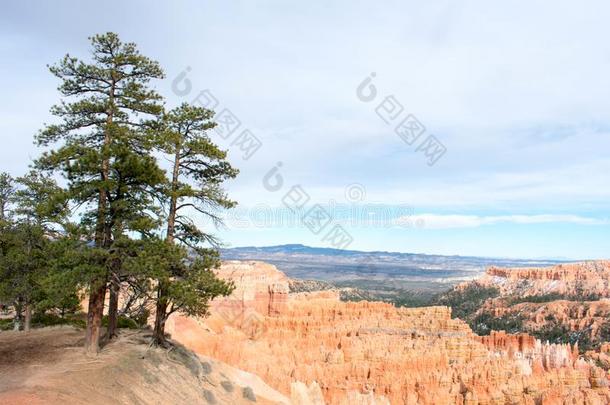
<point>436,221</point>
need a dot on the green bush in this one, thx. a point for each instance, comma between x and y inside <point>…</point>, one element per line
<point>6,324</point>
<point>123,322</point>
<point>42,319</point>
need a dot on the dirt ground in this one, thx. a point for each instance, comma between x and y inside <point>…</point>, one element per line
<point>28,357</point>
<point>49,366</point>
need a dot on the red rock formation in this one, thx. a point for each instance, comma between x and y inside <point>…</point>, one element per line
<point>361,352</point>
<point>258,286</point>
<point>535,353</point>
<point>584,278</point>
<point>588,316</point>
<point>576,283</point>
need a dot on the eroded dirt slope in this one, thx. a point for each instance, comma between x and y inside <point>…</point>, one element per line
<point>48,366</point>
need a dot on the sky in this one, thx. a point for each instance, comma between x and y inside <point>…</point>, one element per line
<point>502,108</point>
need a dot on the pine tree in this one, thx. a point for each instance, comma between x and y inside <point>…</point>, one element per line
<point>6,191</point>
<point>22,264</point>
<point>41,201</point>
<point>25,240</point>
<point>199,168</point>
<point>185,283</point>
<point>135,177</point>
<point>106,107</point>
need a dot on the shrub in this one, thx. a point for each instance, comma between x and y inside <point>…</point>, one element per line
<point>42,319</point>
<point>6,324</point>
<point>122,322</point>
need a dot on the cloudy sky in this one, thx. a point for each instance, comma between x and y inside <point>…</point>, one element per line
<point>516,95</point>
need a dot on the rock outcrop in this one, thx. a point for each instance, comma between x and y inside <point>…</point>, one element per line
<point>258,286</point>
<point>589,317</point>
<point>531,352</point>
<point>568,300</point>
<point>308,344</point>
<point>572,279</point>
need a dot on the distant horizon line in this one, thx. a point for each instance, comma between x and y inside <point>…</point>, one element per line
<point>547,259</point>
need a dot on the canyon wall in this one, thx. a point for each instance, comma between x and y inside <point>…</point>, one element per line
<point>578,279</point>
<point>312,345</point>
<point>569,300</point>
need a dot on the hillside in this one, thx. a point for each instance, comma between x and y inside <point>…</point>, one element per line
<point>48,366</point>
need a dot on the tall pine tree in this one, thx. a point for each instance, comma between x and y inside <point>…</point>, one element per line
<point>198,170</point>
<point>106,105</point>
<point>135,180</point>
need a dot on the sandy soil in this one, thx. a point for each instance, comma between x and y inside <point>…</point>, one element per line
<point>49,366</point>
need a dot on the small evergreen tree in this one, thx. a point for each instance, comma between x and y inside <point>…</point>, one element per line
<point>6,191</point>
<point>188,284</point>
<point>25,241</point>
<point>22,264</point>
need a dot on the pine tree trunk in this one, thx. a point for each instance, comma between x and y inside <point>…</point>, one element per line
<point>171,218</point>
<point>161,315</point>
<point>113,307</point>
<point>17,319</point>
<point>97,294</point>
<point>160,318</point>
<point>94,317</point>
<point>115,280</point>
<point>28,318</point>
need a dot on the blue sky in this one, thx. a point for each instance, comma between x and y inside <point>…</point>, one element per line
<point>517,93</point>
